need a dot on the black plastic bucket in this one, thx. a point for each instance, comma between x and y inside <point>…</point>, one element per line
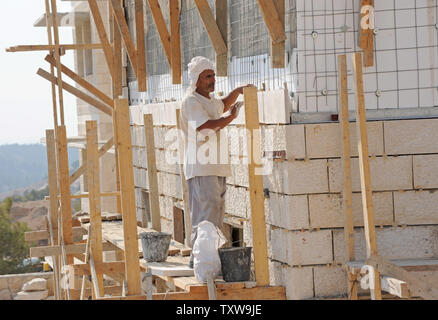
<point>155,246</point>
<point>235,263</point>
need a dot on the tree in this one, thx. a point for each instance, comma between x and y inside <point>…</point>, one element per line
<point>13,248</point>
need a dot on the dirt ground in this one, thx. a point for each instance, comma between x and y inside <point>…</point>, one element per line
<point>32,213</point>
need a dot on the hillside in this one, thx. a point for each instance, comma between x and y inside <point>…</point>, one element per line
<point>25,166</point>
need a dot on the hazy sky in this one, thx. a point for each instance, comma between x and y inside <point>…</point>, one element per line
<point>25,98</point>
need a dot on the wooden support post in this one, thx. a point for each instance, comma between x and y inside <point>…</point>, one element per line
<point>64,188</point>
<point>346,163</point>
<point>178,225</point>
<point>184,187</point>
<point>221,13</point>
<point>53,212</point>
<point>123,140</point>
<point>126,37</point>
<point>58,59</point>
<point>76,92</point>
<point>366,36</point>
<point>94,200</point>
<point>52,70</point>
<point>273,21</point>
<point>256,187</point>
<point>154,202</point>
<point>141,53</point>
<point>278,50</point>
<point>175,39</point>
<point>364,166</point>
<point>87,260</point>
<point>157,15</point>
<point>211,27</point>
<point>102,35</point>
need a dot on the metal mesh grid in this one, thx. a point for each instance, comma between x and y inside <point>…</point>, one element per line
<point>406,59</point>
<point>249,47</point>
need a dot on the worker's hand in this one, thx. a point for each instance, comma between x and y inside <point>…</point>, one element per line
<point>240,89</point>
<point>235,108</point>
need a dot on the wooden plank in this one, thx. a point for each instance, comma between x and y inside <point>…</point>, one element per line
<point>82,82</point>
<point>221,12</point>
<point>272,21</point>
<point>256,187</point>
<point>141,53</point>
<point>408,265</point>
<point>71,249</point>
<point>123,140</point>
<point>113,290</point>
<point>98,21</point>
<point>45,47</point>
<point>278,50</point>
<point>52,177</point>
<point>211,27</point>
<point>366,36</point>
<point>44,234</point>
<point>119,17</point>
<point>87,259</point>
<point>76,92</point>
<point>169,268</point>
<point>364,167</point>
<point>93,172</point>
<point>395,287</point>
<point>82,169</point>
<point>64,188</point>
<point>346,162</point>
<point>175,40</point>
<point>154,203</point>
<point>101,267</point>
<point>157,15</point>
<point>178,224</point>
<point>58,59</point>
<point>184,187</point>
<point>416,284</point>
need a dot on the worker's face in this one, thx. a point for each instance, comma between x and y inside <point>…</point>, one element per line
<point>206,81</point>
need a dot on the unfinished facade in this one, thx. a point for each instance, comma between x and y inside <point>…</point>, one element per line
<point>301,137</point>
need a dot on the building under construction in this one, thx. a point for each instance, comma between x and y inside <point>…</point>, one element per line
<point>334,188</point>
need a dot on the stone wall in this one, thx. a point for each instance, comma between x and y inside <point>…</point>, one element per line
<point>11,284</point>
<point>303,211</point>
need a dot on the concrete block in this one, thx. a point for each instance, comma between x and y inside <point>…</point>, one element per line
<point>240,176</point>
<point>37,284</point>
<point>411,136</point>
<point>330,281</point>
<point>136,115</point>
<point>387,173</point>
<point>325,140</point>
<point>301,177</point>
<point>237,201</point>
<point>295,142</point>
<point>289,212</point>
<point>5,294</point>
<point>276,107</point>
<point>166,161</point>
<point>166,207</point>
<point>32,295</point>
<point>298,282</point>
<point>416,207</point>
<point>413,242</point>
<point>169,184</point>
<point>274,181</point>
<point>425,171</point>
<point>326,210</point>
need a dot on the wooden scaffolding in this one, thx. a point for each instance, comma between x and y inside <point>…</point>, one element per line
<point>80,271</point>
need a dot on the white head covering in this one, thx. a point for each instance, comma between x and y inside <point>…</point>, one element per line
<point>196,67</point>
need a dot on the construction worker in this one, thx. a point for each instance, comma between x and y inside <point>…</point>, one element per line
<point>202,118</point>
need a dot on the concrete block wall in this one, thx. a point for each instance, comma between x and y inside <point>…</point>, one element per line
<point>303,207</point>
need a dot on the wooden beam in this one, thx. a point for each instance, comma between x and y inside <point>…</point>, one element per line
<point>82,82</point>
<point>44,234</point>
<point>87,260</point>
<point>221,12</point>
<point>175,39</point>
<point>108,268</point>
<point>141,53</point>
<point>154,202</point>
<point>50,47</point>
<point>157,15</point>
<point>184,187</point>
<point>64,188</point>
<point>71,249</point>
<point>126,37</point>
<point>82,169</point>
<point>93,171</point>
<point>76,293</point>
<point>366,36</point>
<point>278,50</point>
<point>256,187</point>
<point>364,167</point>
<point>123,140</point>
<point>211,27</point>
<point>417,285</point>
<point>76,92</point>
<point>52,177</point>
<point>178,225</point>
<point>102,34</point>
<point>273,21</point>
